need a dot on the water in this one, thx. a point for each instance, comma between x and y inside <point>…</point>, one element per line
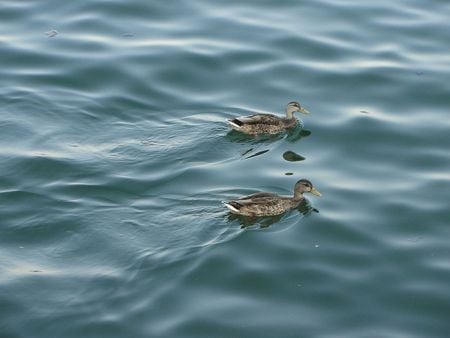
<point>114,160</point>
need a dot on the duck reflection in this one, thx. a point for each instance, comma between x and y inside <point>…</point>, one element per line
<point>297,133</point>
<point>238,137</point>
<point>292,135</point>
<point>256,143</point>
<point>247,222</point>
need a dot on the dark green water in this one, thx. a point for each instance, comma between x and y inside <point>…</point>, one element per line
<point>115,157</point>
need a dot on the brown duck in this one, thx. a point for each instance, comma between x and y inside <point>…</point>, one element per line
<point>259,124</point>
<point>269,204</point>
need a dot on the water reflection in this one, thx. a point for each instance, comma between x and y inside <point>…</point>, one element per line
<point>238,137</point>
<point>292,135</point>
<point>256,142</point>
<point>297,133</point>
<point>246,222</point>
<point>257,154</point>
<point>292,156</point>
<point>51,33</point>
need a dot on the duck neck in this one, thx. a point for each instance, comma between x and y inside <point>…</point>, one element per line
<point>289,114</point>
<point>298,196</point>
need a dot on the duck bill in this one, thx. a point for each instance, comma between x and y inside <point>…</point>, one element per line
<point>316,192</point>
<point>304,111</point>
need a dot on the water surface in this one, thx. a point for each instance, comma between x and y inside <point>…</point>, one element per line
<point>115,157</point>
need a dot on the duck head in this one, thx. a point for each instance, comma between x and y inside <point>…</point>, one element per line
<point>303,186</point>
<point>294,107</point>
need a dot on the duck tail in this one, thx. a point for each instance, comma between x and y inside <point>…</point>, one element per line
<point>232,206</point>
<point>235,123</point>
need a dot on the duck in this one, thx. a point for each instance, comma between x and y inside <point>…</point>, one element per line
<point>259,124</point>
<point>269,204</point>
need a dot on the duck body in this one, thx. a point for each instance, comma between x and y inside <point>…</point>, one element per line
<point>269,204</point>
<point>262,204</point>
<point>262,124</point>
<point>259,124</point>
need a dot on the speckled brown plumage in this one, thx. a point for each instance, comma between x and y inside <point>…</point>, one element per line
<point>259,124</point>
<point>263,124</point>
<point>269,204</point>
<point>264,204</point>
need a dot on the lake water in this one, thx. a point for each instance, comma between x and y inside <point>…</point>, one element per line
<point>115,157</point>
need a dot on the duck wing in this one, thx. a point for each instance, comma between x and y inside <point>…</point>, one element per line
<point>256,119</point>
<point>262,199</point>
<point>258,197</point>
<point>259,204</point>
